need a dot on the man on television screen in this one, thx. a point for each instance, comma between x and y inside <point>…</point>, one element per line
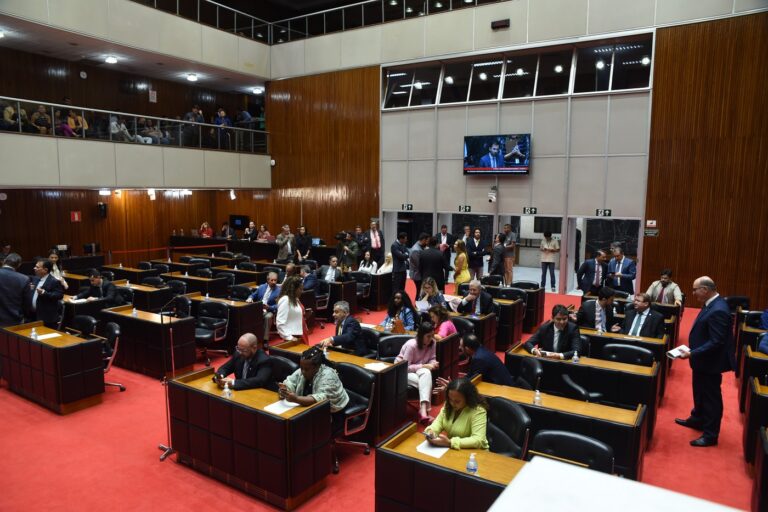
<point>493,159</point>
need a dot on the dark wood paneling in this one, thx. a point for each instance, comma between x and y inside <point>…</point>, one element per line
<point>708,163</point>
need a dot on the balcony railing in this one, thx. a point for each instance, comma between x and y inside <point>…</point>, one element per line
<point>348,17</point>
<point>56,120</point>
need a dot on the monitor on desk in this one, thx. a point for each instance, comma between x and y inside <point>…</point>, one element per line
<point>91,248</point>
<point>63,250</point>
<point>315,242</point>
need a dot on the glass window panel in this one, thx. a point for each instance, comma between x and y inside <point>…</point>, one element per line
<point>315,25</point>
<point>632,64</point>
<point>280,32</point>
<point>398,88</point>
<point>438,5</point>
<point>333,21</point>
<point>166,5</point>
<point>520,76</point>
<point>244,26</point>
<point>186,9</point>
<point>393,10</point>
<point>554,73</point>
<point>486,76</point>
<point>298,28</point>
<point>261,31</point>
<point>593,68</point>
<point>414,8</point>
<point>456,82</point>
<point>372,14</point>
<point>207,14</point>
<point>425,83</point>
<point>353,17</point>
<point>226,19</point>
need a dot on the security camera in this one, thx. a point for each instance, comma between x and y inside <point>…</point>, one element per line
<point>272,162</point>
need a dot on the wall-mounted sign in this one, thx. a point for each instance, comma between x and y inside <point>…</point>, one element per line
<point>406,206</point>
<point>530,210</point>
<point>152,96</point>
<point>465,208</point>
<point>75,216</point>
<point>602,212</point>
<point>650,223</point>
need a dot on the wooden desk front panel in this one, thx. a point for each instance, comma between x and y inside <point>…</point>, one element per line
<point>343,291</point>
<point>177,266</point>
<point>534,309</point>
<point>75,282</point>
<point>485,329</point>
<point>243,276</point>
<point>81,263</point>
<point>52,373</point>
<point>760,482</point>
<point>276,458</point>
<point>745,337</point>
<point>92,308</point>
<point>756,416</point>
<point>150,299</point>
<point>181,243</point>
<point>754,365</point>
<point>510,327</point>
<point>381,290</point>
<point>447,354</point>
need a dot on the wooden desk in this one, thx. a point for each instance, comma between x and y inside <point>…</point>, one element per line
<point>620,383</point>
<point>282,460</point>
<point>745,337</point>
<point>260,264</point>
<point>87,307</point>
<point>754,365</point>
<point>132,274</point>
<point>510,326</point>
<point>216,287</point>
<point>177,266</point>
<point>243,276</point>
<point>391,393</point>
<point>622,429</point>
<point>381,291</point>
<point>75,281</point>
<point>346,291</point>
<point>147,298</point>
<point>409,480</point>
<point>81,262</point>
<point>64,373</point>
<point>182,243</point>
<point>255,250</point>
<point>219,260</point>
<point>756,416</point>
<point>534,309</point>
<point>485,328</point>
<point>145,341</point>
<point>760,482</point>
<point>243,317</point>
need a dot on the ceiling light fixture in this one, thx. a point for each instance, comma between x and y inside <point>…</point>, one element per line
<point>483,76</point>
<point>558,69</point>
<point>111,59</point>
<point>469,1</point>
<point>449,80</point>
<point>258,90</point>
<point>232,195</point>
<point>645,61</point>
<point>105,192</point>
<point>409,9</point>
<point>417,85</point>
<point>192,77</point>
<point>600,64</point>
<point>519,71</point>
<point>393,2</point>
<point>438,5</point>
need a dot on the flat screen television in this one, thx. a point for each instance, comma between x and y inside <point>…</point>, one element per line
<point>488,155</point>
<point>239,221</point>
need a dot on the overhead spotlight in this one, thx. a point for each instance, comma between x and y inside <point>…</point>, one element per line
<point>449,80</point>
<point>260,35</point>
<point>192,77</point>
<point>105,192</point>
<point>438,5</point>
<point>258,90</point>
<point>600,64</point>
<point>558,69</point>
<point>645,61</point>
<point>111,59</point>
<point>393,2</point>
<point>469,1</point>
<point>483,76</point>
<point>409,9</point>
<point>232,195</point>
<point>418,85</point>
<point>519,72</point>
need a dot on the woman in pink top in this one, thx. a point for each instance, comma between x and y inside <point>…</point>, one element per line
<point>441,321</point>
<point>419,352</point>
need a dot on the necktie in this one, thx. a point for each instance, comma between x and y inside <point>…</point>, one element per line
<point>246,367</point>
<point>660,298</point>
<point>598,271</point>
<point>35,295</point>
<point>376,244</point>
<point>477,306</point>
<point>338,329</point>
<point>637,324</point>
<point>556,340</point>
<point>598,317</point>
<point>618,271</point>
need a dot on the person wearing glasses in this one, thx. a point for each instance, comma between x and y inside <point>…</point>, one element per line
<point>251,366</point>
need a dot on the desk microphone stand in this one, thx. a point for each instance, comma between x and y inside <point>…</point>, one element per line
<point>167,448</point>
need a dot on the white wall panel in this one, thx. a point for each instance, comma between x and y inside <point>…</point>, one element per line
<point>322,54</point>
<point>628,124</point>
<point>477,194</point>
<point>29,161</point>
<point>550,124</point>
<point>136,25</point>
<point>184,168</point>
<point>181,38</point>
<point>670,11</point>
<point>451,128</point>
<point>748,5</point>
<point>402,40</point>
<point>287,59</point>
<point>450,185</point>
<point>85,163</point>
<point>516,11</point>
<point>220,47</point>
<point>84,16</point>
<point>394,175</point>
<point>421,134</point>
<point>548,194</point>
<point>421,185</point>
<point>514,193</point>
<point>252,57</point>
<point>589,120</point>
<point>138,165</point>
<point>394,135</point>
<point>626,185</point>
<point>360,47</point>
<point>222,170</point>
<point>35,10</point>
<point>586,185</point>
<point>482,119</point>
<point>553,19</point>
<point>516,117</point>
<point>615,15</point>
<point>255,171</point>
<point>449,32</point>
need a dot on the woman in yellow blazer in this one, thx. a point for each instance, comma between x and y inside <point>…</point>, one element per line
<point>460,264</point>
<point>462,422</point>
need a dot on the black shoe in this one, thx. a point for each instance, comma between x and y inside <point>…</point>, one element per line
<point>704,441</point>
<point>688,422</point>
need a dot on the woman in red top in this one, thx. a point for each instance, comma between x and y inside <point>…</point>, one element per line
<point>206,231</point>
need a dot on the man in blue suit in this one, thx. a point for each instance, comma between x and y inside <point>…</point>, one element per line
<point>493,159</point>
<point>308,278</point>
<point>592,273</point>
<point>711,354</point>
<point>621,272</point>
<point>268,294</point>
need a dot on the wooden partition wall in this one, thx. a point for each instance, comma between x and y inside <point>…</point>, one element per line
<point>708,163</point>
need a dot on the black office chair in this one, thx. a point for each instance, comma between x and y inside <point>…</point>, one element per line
<point>211,328</point>
<point>361,386</point>
<point>531,371</point>
<point>83,326</point>
<point>463,325</point>
<point>177,287</point>
<point>185,259</point>
<point>155,281</point>
<point>204,272</point>
<point>282,368</point>
<point>586,346</point>
<point>108,275</point>
<point>59,315</point>
<point>736,301</point>
<point>753,319</point>
<point>229,276</point>
<point>322,300</point>
<point>226,254</point>
<point>276,270</point>
<point>526,285</point>
<point>200,261</point>
<point>372,338</point>
<point>312,264</point>
<point>390,346</point>
<point>509,427</point>
<point>577,448</point>
<point>243,257</point>
<point>239,292</point>
<point>144,265</point>
<point>363,280</point>
<point>112,342</point>
<point>126,295</point>
<point>246,265</point>
<point>574,390</point>
<point>161,268</point>
<point>463,289</point>
<point>181,307</point>
<point>513,294</point>
<point>628,354</point>
<point>491,280</point>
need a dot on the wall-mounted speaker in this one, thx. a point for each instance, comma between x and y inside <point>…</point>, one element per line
<point>102,210</point>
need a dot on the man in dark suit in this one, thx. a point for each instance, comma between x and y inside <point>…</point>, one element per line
<point>711,353</point>
<point>621,272</point>
<point>251,366</point>
<point>592,273</point>
<point>483,361</point>
<point>363,242</point>
<point>557,339</point>
<point>496,265</point>
<point>376,238</point>
<point>308,278</point>
<point>400,255</point>
<point>493,158</point>
<point>598,314</point>
<point>475,252</point>
<point>15,292</point>
<point>226,231</point>
<point>641,320</point>
<point>268,294</point>
<point>348,331</point>
<point>413,260</point>
<point>328,274</point>
<point>432,264</point>
<point>100,289</point>
<point>47,291</point>
<point>445,241</point>
<point>477,301</point>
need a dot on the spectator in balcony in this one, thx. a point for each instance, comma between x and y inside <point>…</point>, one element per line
<point>192,132</point>
<point>77,123</point>
<point>154,132</point>
<point>41,121</point>
<point>244,119</point>
<point>12,119</point>
<point>62,126</point>
<point>223,136</point>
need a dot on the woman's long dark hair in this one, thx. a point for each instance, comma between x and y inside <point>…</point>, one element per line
<point>289,289</point>
<point>406,303</point>
<point>368,262</point>
<point>424,329</point>
<point>440,312</point>
<point>469,390</point>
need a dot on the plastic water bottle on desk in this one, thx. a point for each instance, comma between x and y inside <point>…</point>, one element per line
<point>206,296</point>
<point>235,266</point>
<point>135,312</point>
<point>537,397</point>
<point>169,259</point>
<point>575,358</point>
<point>120,265</point>
<point>472,464</point>
<point>227,393</point>
<point>128,283</point>
<point>186,274</point>
<point>33,334</point>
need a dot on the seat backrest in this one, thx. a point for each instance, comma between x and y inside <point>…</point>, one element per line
<point>155,281</point>
<point>575,447</point>
<point>185,259</point>
<point>282,368</point>
<point>111,333</point>
<point>178,287</point>
<point>161,267</point>
<point>145,265</point>
<point>182,306</point>
<point>492,280</point>
<point>513,294</point>
<point>126,294</point>
<point>389,346</point>
<point>247,265</point>
<point>356,379</point>
<point>499,442</point>
<point>200,261</point>
<point>204,272</point>
<point>574,390</point>
<point>226,254</point>
<point>754,319</point>
<point>526,285</point>
<point>360,277</point>
<point>312,264</point>
<point>531,371</point>
<point>239,292</point>
<point>512,419</point>
<point>585,345</point>
<point>463,289</point>
<point>108,275</point>
<point>213,309</point>
<point>272,269</point>
<point>734,301</point>
<point>629,354</point>
<point>86,324</point>
<point>372,338</point>
<point>230,277</point>
<point>463,325</point>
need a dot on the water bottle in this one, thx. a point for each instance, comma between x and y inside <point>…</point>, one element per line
<point>212,256</point>
<point>182,231</point>
<point>120,265</point>
<point>33,334</point>
<point>174,233</point>
<point>206,296</point>
<point>537,397</point>
<point>169,259</point>
<point>325,352</point>
<point>135,312</point>
<point>227,393</point>
<point>575,358</point>
<point>128,283</point>
<point>235,266</point>
<point>472,464</point>
<point>186,274</point>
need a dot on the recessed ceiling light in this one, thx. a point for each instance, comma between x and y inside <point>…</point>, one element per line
<point>469,1</point>
<point>519,72</point>
<point>392,2</point>
<point>558,69</point>
<point>600,64</point>
<point>438,5</point>
<point>111,59</point>
<point>417,85</point>
<point>258,90</point>
<point>645,61</point>
<point>192,77</point>
<point>449,80</point>
<point>483,76</point>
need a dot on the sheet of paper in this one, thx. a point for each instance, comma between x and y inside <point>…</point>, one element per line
<point>368,326</point>
<point>48,336</point>
<point>280,407</point>
<point>677,351</point>
<point>78,301</point>
<point>432,451</point>
<point>422,305</point>
<point>376,367</point>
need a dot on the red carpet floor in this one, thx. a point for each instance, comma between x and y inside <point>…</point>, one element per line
<point>106,457</point>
